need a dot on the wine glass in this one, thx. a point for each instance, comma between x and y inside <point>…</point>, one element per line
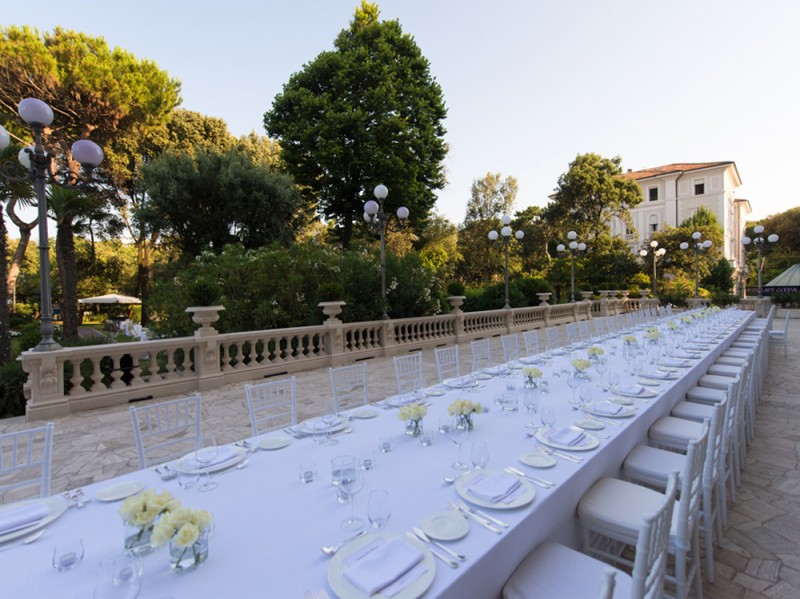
<point>573,382</point>
<point>205,454</point>
<point>548,416</point>
<point>479,454</point>
<point>458,436</point>
<point>350,484</point>
<point>601,367</point>
<point>329,420</point>
<point>613,380</point>
<point>585,394</point>
<point>378,508</point>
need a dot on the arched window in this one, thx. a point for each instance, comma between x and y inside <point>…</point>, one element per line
<point>652,223</point>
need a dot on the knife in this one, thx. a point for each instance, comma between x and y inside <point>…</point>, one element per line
<point>485,523</point>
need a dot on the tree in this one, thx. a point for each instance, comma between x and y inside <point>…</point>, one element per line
<point>439,247</point>
<point>491,197</point>
<point>367,112</point>
<point>677,260</point>
<point>122,102</point>
<point>190,130</point>
<point>212,198</point>
<point>590,194</point>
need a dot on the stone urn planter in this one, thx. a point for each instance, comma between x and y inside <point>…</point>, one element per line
<point>332,310</point>
<point>587,295</point>
<point>644,293</point>
<point>605,294</point>
<point>456,301</point>
<point>543,298</point>
<point>624,293</point>
<point>205,316</point>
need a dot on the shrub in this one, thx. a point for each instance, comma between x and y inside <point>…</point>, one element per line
<point>530,286</point>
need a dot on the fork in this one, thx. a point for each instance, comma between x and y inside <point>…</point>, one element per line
<point>545,484</point>
<point>563,456</point>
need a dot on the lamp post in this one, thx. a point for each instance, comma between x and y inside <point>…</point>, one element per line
<point>39,165</point>
<point>759,242</point>
<point>377,220</point>
<point>657,253</point>
<point>698,247</point>
<point>574,246</point>
<point>505,232</point>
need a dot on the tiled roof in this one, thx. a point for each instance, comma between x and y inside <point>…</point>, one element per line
<point>672,168</point>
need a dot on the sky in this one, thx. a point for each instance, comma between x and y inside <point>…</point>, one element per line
<point>528,84</point>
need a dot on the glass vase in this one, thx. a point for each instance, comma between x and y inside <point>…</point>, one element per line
<point>530,382</point>
<point>464,422</point>
<point>186,559</point>
<point>137,539</point>
<point>414,427</point>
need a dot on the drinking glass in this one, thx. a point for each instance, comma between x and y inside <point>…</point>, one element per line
<point>585,394</point>
<point>573,382</point>
<point>118,578</point>
<point>205,454</point>
<point>325,437</point>
<point>601,367</point>
<point>67,554</point>
<point>444,425</point>
<point>613,380</point>
<point>458,436</point>
<point>339,466</point>
<point>378,508</point>
<point>479,454</point>
<point>531,400</point>
<point>307,472</point>
<point>350,484</point>
<point>548,416</point>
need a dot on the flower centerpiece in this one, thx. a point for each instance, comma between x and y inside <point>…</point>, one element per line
<point>413,413</point>
<point>672,325</point>
<point>463,409</point>
<point>186,531</point>
<point>594,352</point>
<point>581,365</point>
<point>653,334</point>
<point>687,319</point>
<point>629,339</point>
<point>140,513</point>
<point>531,375</point>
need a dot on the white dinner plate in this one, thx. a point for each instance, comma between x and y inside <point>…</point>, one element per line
<point>445,526</point>
<point>184,467</point>
<point>669,363</point>
<point>398,401</point>
<point>365,414</point>
<point>462,382</point>
<point>524,498</point>
<point>308,427</point>
<point>624,413</point>
<point>589,441</point>
<point>119,491</point>
<point>649,382</point>
<point>272,443</point>
<point>344,589</point>
<point>482,376</point>
<point>434,392</point>
<point>537,460</point>
<point>589,425</point>
<point>496,370</point>
<point>622,401</point>
<point>56,505</point>
<point>531,360</point>
<point>644,393</point>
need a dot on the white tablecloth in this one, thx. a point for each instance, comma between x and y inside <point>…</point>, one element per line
<point>269,527</point>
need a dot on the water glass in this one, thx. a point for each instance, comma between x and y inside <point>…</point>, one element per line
<point>444,425</point>
<point>548,416</point>
<point>426,439</point>
<point>385,444</point>
<point>68,554</point>
<point>479,454</point>
<point>378,508</point>
<point>118,578</point>
<point>366,460</point>
<point>187,480</point>
<point>307,472</point>
<point>351,484</point>
<point>205,454</point>
<point>341,465</point>
<point>530,400</point>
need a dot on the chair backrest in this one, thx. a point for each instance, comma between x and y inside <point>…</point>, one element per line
<point>711,470</point>
<point>599,326</point>
<point>691,487</point>
<point>167,430</point>
<point>481,354</point>
<point>553,335</point>
<point>786,324</point>
<point>572,332</point>
<point>25,458</point>
<point>448,364</point>
<point>271,405</point>
<point>583,330</point>
<point>409,373</point>
<point>349,384</point>
<point>510,348</point>
<point>652,546</point>
<point>531,339</point>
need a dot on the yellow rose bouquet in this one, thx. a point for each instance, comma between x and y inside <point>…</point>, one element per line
<point>413,414</point>
<point>139,514</point>
<point>186,531</point>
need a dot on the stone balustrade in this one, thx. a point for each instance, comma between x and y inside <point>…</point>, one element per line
<point>84,378</point>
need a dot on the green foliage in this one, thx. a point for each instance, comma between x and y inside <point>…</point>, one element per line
<point>702,217</point>
<point>203,292</point>
<point>491,197</point>
<point>12,398</point>
<point>455,288</point>
<point>785,225</point>
<point>530,286</point>
<point>365,113</point>
<point>493,297</point>
<point>274,287</point>
<point>677,260</point>
<point>720,277</point>
<point>786,299</point>
<point>723,298</point>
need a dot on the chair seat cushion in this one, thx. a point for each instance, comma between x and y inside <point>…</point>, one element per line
<point>732,361</point>
<point>674,432</point>
<point>737,353</point>
<point>691,410</point>
<point>652,465</point>
<point>550,570</point>
<point>744,344</point>
<point>618,507</point>
<point>715,381</point>
<point>706,395</point>
<point>725,370</point>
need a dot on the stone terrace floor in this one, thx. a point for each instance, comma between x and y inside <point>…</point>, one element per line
<point>760,554</point>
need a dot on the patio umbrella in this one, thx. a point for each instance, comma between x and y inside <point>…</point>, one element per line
<point>110,298</point>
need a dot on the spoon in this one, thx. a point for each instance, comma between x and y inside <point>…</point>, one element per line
<point>331,549</point>
<point>451,479</point>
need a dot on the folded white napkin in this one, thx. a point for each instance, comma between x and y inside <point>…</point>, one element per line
<point>566,436</point>
<point>379,563</point>
<point>496,369</point>
<point>225,453</point>
<point>462,381</point>
<point>406,398</point>
<point>630,389</point>
<point>531,360</point>
<point>684,355</point>
<point>656,374</point>
<point>669,362</point>
<point>322,424</point>
<point>493,487</point>
<point>21,517</point>
<point>607,409</point>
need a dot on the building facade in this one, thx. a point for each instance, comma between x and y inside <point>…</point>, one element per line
<point>674,192</point>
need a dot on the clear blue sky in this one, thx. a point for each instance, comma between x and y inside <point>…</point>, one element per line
<point>529,84</point>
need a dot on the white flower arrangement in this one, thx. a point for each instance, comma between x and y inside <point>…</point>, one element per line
<point>629,340</point>
<point>142,510</point>
<point>182,526</point>
<point>580,364</point>
<point>653,333</point>
<point>686,318</point>
<point>464,407</point>
<point>673,325</point>
<point>532,373</point>
<point>413,411</point>
<point>595,351</point>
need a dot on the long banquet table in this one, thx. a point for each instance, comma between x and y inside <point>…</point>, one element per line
<point>269,527</point>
